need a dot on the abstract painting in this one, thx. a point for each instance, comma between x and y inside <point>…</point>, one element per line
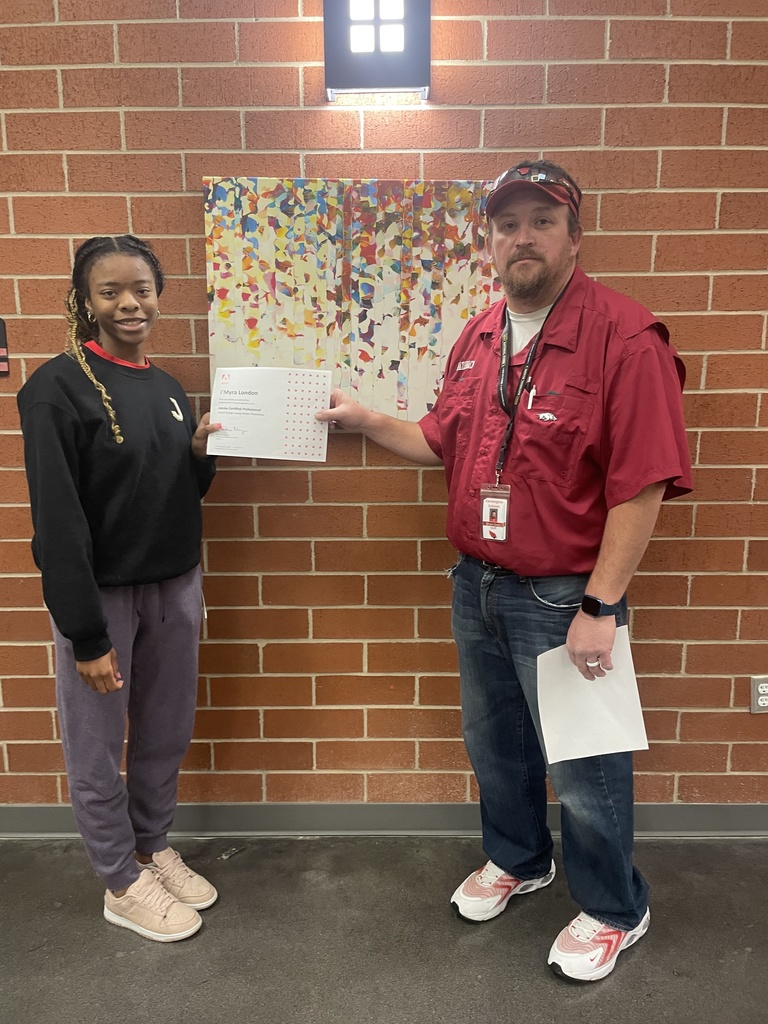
<point>371,279</point>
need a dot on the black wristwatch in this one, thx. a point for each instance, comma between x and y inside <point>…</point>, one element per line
<point>595,607</point>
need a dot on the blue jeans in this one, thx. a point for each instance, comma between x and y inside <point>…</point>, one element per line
<point>501,623</point>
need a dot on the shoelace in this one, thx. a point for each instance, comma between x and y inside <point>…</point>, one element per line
<point>176,870</point>
<point>155,897</point>
<point>585,927</point>
<point>490,874</point>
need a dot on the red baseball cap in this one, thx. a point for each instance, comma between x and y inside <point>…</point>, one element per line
<point>563,190</point>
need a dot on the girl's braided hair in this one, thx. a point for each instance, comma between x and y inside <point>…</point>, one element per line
<point>79,327</point>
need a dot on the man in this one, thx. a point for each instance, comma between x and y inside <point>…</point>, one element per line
<point>560,427</point>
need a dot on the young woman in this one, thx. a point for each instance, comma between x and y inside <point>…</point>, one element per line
<point>116,469</point>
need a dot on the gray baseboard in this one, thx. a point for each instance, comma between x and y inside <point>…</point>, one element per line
<point>47,821</point>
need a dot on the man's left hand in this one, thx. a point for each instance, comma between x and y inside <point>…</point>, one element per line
<point>590,642</point>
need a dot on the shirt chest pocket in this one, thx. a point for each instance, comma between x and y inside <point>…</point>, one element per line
<point>457,403</point>
<point>550,435</point>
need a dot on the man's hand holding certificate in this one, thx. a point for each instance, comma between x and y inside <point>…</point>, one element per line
<point>269,412</point>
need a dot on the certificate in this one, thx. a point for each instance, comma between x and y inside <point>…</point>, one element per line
<point>268,412</point>
<point>581,718</point>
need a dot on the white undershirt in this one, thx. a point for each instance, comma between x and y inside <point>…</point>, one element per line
<point>523,326</point>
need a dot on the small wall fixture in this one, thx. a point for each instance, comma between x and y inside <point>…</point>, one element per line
<point>377,46</point>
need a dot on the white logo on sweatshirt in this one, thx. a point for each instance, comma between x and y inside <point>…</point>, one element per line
<point>176,411</point>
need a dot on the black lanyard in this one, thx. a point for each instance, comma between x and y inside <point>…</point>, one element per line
<point>522,384</point>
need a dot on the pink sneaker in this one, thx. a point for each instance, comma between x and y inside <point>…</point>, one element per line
<point>587,950</point>
<point>486,892</point>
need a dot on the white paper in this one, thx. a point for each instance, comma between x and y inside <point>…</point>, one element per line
<point>580,718</point>
<point>268,412</point>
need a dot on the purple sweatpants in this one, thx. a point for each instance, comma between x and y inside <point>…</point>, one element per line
<point>155,629</point>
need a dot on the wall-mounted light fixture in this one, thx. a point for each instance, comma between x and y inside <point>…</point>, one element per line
<point>377,46</point>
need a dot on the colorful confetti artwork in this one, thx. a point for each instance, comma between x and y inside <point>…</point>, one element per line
<point>373,280</point>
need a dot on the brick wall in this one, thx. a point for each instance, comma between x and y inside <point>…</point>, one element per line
<point>328,673</point>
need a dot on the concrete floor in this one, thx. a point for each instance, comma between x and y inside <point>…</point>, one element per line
<point>358,930</point>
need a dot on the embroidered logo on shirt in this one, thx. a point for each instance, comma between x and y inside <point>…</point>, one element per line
<point>466,365</point>
<point>548,416</point>
<point>176,411</point>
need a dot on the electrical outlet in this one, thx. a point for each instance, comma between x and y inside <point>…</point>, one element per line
<point>759,695</point>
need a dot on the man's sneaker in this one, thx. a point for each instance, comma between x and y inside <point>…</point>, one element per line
<point>587,950</point>
<point>184,884</point>
<point>486,892</point>
<point>147,908</point>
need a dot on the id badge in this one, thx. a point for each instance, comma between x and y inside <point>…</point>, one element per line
<point>495,511</point>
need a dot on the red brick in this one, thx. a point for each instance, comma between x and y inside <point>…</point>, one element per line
<point>761,484</point>
<point>35,757</point>
<point>57,44</point>
<point>609,7</point>
<point>114,10</point>
<point>305,788</point>
<point>408,591</point>
<point>748,757</point>
<point>746,126</point>
<point>406,521</point>
<point>362,165</point>
<point>362,623</point>
<point>228,521</point>
<point>754,623</point>
<point>607,253</point>
<point>689,555</point>
<point>708,169</point>
<point>24,89</point>
<point>416,723</point>
<point>259,556</point>
<point>476,8</point>
<point>120,87</point>
<point>711,331</point>
<point>433,486</point>
<point>365,755</point>
<point>22,592</point>
<point>654,658</point>
<point>5,215</point>
<point>260,485</point>
<point>719,251</point>
<point>167,215</point>
<point>739,291</point>
<point>671,40</point>
<point>433,623</point>
<point>311,658</point>
<point>181,43</point>
<point>661,293</point>
<point>230,658</point>
<point>260,691</point>
<point>65,131</point>
<point>418,787</point>
<point>35,256</point>
<point>24,660</point>
<point>14,522</point>
<point>28,692</point>
<point>182,129</point>
<point>743,447</point>
<point>542,127</point>
<point>659,591</point>
<point>546,40</point>
<point>266,87</point>
<point>11,450</point>
<point>262,756</point>
<point>600,83</point>
<point>443,755</point>
<point>716,83</point>
<point>422,129</point>
<point>714,8</point>
<point>368,485</point>
<point>8,302</point>
<point>212,787</point>
<point>456,40</point>
<point>368,555</point>
<point>654,789</point>
<point>305,129</point>
<point>26,11</point>
<point>28,789</point>
<point>439,690</point>
<point>717,789</point>
<point>264,623</point>
<point>655,211</point>
<point>720,659</point>
<point>239,165</point>
<point>217,723</point>
<point>364,690</point>
<point>747,520</point>
<point>314,521</point>
<point>26,725</point>
<point>663,692</point>
<point>684,624</point>
<point>683,757</point>
<point>292,42</point>
<point>720,410</point>
<point>191,373</point>
<point>230,591</point>
<point>313,591</point>
<point>606,169</point>
<point>69,215</point>
<point>487,85</point>
<point>740,210</point>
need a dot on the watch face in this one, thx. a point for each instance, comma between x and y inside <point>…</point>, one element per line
<point>591,605</point>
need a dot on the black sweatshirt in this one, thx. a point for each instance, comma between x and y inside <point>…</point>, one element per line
<point>108,514</point>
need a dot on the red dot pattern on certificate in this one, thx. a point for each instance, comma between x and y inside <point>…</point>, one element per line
<point>305,438</point>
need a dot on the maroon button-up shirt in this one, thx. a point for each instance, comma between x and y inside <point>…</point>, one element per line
<point>605,422</point>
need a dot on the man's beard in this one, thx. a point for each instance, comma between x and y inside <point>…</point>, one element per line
<point>530,283</point>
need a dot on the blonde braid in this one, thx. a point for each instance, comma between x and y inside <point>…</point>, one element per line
<point>74,349</point>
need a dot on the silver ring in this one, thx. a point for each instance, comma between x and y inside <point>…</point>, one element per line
<point>593,664</point>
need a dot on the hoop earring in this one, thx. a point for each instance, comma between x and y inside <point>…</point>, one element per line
<point>157,314</point>
<point>90,317</point>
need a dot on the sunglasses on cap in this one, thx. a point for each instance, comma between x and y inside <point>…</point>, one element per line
<point>541,177</point>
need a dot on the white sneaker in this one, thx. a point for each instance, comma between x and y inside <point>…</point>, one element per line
<point>486,892</point>
<point>184,884</point>
<point>147,908</point>
<point>587,950</point>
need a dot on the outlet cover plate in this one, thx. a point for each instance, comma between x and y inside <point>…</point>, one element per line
<point>759,695</point>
